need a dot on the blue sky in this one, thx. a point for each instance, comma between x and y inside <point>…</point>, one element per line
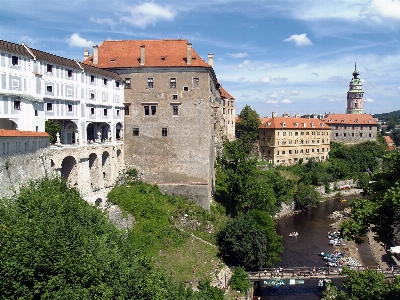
<point>287,56</point>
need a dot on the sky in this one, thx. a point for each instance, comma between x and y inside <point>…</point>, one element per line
<point>284,56</point>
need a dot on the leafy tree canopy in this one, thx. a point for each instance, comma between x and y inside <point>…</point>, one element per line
<point>248,123</point>
<point>250,240</point>
<point>52,127</point>
<point>240,280</point>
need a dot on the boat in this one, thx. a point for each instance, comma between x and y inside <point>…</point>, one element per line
<point>293,234</point>
<point>343,200</point>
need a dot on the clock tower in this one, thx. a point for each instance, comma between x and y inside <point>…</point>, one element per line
<point>355,95</point>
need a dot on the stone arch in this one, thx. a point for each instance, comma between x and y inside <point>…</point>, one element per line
<point>94,170</point>
<point>106,168</point>
<point>69,169</point>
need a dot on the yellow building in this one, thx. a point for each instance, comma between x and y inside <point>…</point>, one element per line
<point>286,140</point>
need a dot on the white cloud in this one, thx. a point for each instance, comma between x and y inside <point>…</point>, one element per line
<point>286,101</point>
<point>369,100</point>
<point>280,79</point>
<point>382,9</point>
<point>295,93</point>
<point>247,64</point>
<point>272,95</point>
<point>266,79</point>
<point>299,39</point>
<point>30,42</point>
<point>273,101</point>
<point>106,21</point>
<point>239,55</point>
<point>75,40</point>
<point>148,13</point>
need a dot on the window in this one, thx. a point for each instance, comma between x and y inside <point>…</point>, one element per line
<point>361,134</point>
<point>69,107</point>
<point>36,112</point>
<point>172,83</point>
<point>69,73</point>
<point>14,60</point>
<point>117,84</point>
<point>150,83</point>
<point>49,106</point>
<point>150,110</point>
<point>174,97</point>
<point>105,112</point>
<point>91,95</point>
<point>135,131</point>
<point>344,134</point>
<point>127,83</point>
<point>283,152</point>
<point>164,131</point>
<point>117,112</point>
<point>185,88</point>
<point>49,88</point>
<point>337,134</point>
<point>290,151</point>
<point>126,110</point>
<point>49,68</point>
<point>105,81</point>
<point>91,78</point>
<point>37,128</point>
<point>175,110</point>
<point>92,111</point>
<point>17,105</point>
<point>196,82</point>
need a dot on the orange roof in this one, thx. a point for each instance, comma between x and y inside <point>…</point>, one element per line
<point>388,139</point>
<point>293,123</point>
<point>158,53</point>
<point>18,133</point>
<point>224,93</point>
<point>350,119</point>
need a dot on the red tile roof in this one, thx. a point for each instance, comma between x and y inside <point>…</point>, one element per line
<point>388,139</point>
<point>364,119</point>
<point>225,94</point>
<point>293,123</point>
<point>158,53</point>
<point>18,133</point>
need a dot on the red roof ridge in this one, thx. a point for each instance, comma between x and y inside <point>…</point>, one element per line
<point>19,133</point>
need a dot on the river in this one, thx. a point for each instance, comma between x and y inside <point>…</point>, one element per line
<point>312,226</point>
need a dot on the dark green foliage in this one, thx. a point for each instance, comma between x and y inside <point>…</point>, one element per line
<point>382,209</point>
<point>56,246</point>
<point>305,196</point>
<point>240,280</point>
<point>52,127</point>
<point>207,292</point>
<point>250,240</point>
<point>247,126</point>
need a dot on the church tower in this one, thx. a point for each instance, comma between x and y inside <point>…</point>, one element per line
<point>355,95</point>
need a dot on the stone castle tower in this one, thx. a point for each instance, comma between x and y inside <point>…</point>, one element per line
<point>355,95</point>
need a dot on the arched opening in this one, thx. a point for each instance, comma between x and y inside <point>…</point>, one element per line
<point>106,168</point>
<point>94,169</point>
<point>69,169</point>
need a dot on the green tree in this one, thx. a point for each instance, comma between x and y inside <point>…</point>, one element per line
<point>248,123</point>
<point>250,240</point>
<point>240,280</point>
<point>52,127</point>
<point>381,212</point>
<point>306,195</point>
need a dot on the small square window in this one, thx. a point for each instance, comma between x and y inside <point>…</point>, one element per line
<point>105,81</point>
<point>105,112</point>
<point>150,110</point>
<point>185,88</point>
<point>36,112</point>
<point>127,83</point>
<point>69,107</point>
<point>172,83</point>
<point>164,131</point>
<point>126,110</point>
<point>91,95</point>
<point>92,111</point>
<point>91,78</point>
<point>49,88</point>
<point>117,84</point>
<point>17,105</point>
<point>49,68</point>
<point>49,106</point>
<point>174,97</point>
<point>196,82</point>
<point>69,73</point>
<point>14,60</point>
<point>175,110</point>
<point>150,83</point>
<point>135,131</point>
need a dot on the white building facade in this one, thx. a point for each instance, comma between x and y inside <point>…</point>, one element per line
<point>36,86</point>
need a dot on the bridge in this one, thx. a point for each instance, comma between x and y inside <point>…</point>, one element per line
<point>313,272</point>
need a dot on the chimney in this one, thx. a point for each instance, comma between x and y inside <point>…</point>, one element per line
<point>189,54</point>
<point>211,59</point>
<point>95,54</point>
<point>85,53</point>
<point>142,55</point>
<point>274,114</point>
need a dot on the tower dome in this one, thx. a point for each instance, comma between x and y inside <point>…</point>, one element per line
<point>355,94</point>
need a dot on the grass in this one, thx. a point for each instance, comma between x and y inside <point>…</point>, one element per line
<point>289,175</point>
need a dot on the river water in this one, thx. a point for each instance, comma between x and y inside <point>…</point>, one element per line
<point>312,226</point>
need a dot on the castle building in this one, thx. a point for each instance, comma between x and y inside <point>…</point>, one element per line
<point>173,112</point>
<point>228,114</point>
<point>353,127</point>
<point>286,140</point>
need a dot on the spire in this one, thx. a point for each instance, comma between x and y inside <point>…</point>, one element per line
<point>355,73</point>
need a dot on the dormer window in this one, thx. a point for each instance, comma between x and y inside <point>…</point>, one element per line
<point>342,120</point>
<point>330,120</point>
<point>312,125</point>
<point>163,58</point>
<point>296,124</point>
<point>322,124</point>
<point>283,124</point>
